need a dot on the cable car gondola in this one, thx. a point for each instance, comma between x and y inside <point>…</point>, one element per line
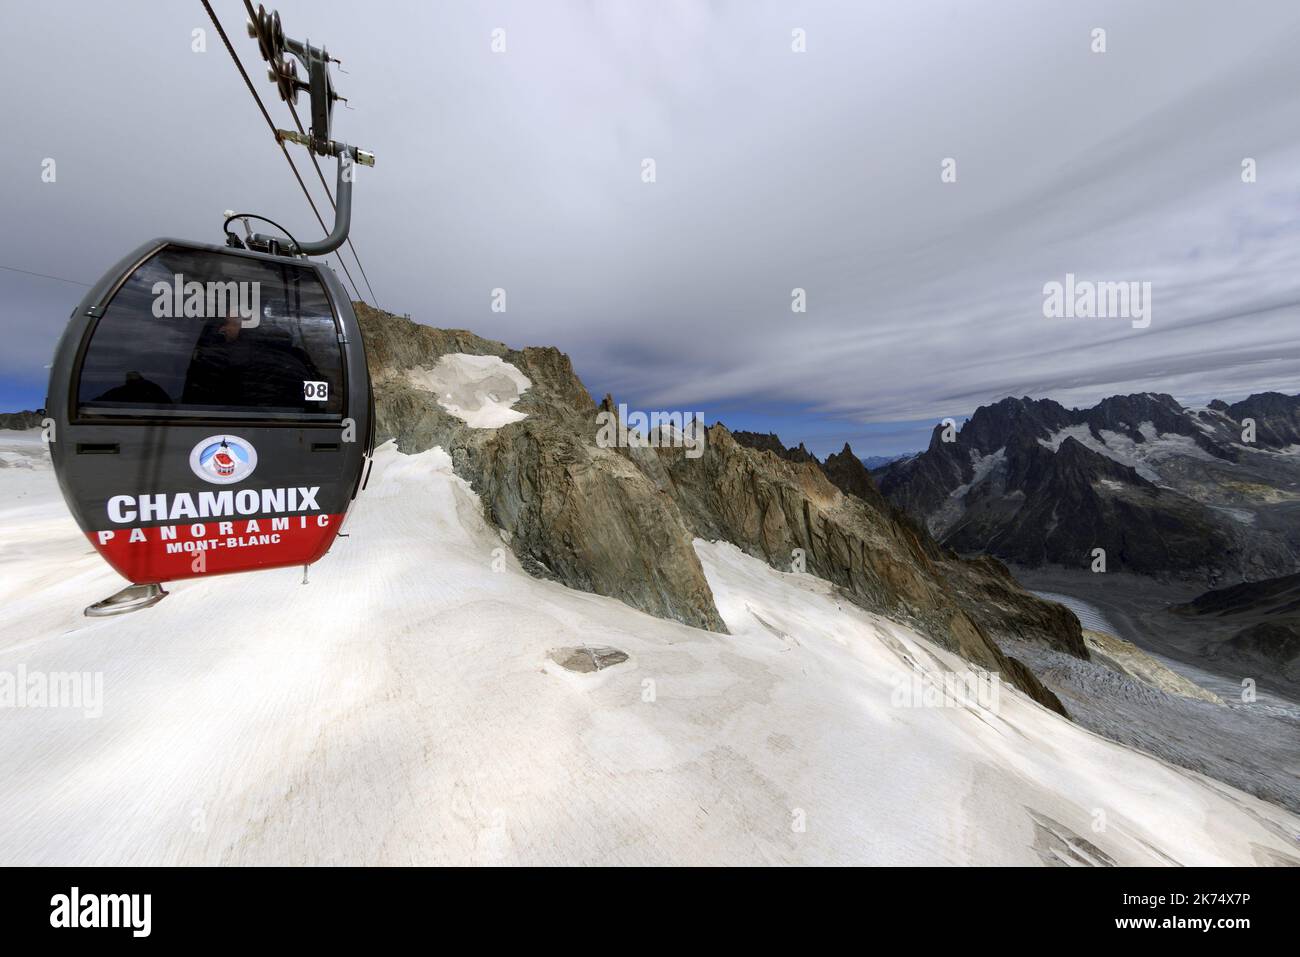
<point>211,405</point>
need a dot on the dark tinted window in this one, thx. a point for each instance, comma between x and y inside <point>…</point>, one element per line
<point>193,333</point>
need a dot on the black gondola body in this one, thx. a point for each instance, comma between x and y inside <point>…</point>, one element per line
<point>211,410</point>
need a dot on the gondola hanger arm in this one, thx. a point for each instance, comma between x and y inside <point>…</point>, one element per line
<point>277,49</point>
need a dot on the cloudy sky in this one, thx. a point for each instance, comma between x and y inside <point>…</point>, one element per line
<point>774,169</point>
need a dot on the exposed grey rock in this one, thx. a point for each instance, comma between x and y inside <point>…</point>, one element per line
<point>593,519</point>
<point>851,477</point>
<point>586,516</point>
<point>771,442</point>
<point>587,660</point>
<point>1058,846</point>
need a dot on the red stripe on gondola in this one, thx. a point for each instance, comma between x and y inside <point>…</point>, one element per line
<point>214,547</point>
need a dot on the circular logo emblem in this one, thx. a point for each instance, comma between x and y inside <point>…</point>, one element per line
<point>223,459</point>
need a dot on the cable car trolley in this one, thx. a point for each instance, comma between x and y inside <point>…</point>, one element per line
<point>212,409</point>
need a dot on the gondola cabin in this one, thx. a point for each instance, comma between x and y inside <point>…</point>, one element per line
<point>212,411</point>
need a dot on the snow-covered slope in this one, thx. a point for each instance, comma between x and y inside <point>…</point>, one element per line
<point>404,707</point>
<point>478,389</point>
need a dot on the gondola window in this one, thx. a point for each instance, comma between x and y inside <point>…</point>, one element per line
<point>196,333</point>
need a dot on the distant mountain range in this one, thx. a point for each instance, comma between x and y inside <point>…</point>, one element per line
<point>1164,489</point>
<point>26,419</point>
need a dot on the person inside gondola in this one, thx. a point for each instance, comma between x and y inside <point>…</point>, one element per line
<point>258,367</point>
<point>136,390</point>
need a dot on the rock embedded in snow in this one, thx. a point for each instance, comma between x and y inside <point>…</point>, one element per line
<point>1058,846</point>
<point>586,660</point>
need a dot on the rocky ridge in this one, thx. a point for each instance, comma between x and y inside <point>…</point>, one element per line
<point>621,521</point>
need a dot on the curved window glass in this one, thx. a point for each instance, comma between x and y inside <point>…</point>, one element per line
<point>198,333</point>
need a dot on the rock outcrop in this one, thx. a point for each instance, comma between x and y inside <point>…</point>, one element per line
<point>584,515</point>
<point>621,521</point>
<point>771,442</point>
